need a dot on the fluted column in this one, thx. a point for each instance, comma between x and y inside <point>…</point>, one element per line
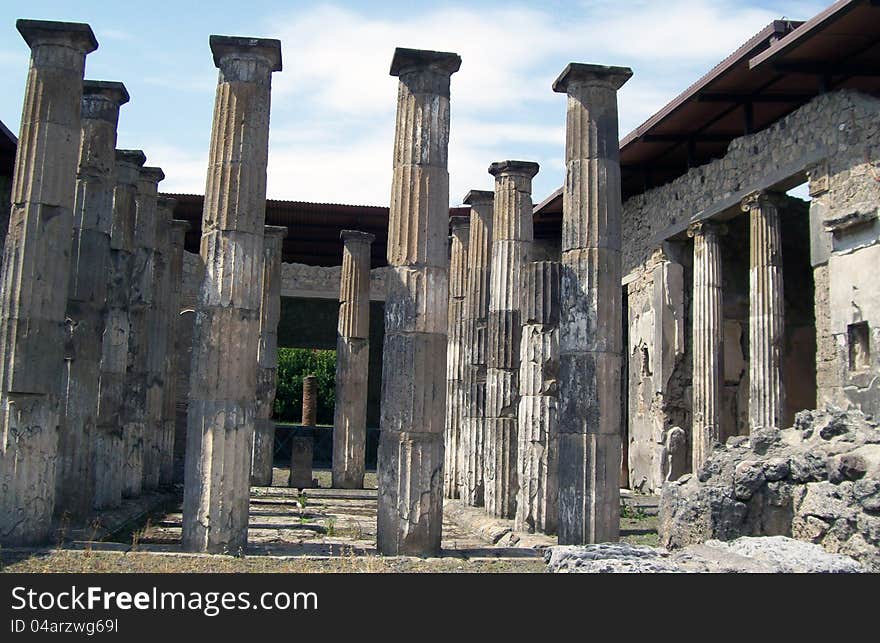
<point>87,297</point>
<point>455,350</point>
<point>267,356</point>
<point>36,264</point>
<point>136,432</point>
<point>536,505</point>
<point>223,383</point>
<point>708,336</point>
<point>110,453</point>
<point>476,342</point>
<point>511,251</point>
<point>352,362</point>
<point>766,311</point>
<point>590,331</point>
<point>176,239</point>
<point>410,505</point>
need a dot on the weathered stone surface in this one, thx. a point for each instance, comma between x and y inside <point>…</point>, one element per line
<point>226,337</point>
<point>310,400</point>
<point>411,450</point>
<point>798,483</point>
<point>511,250</point>
<point>590,326</point>
<point>761,555</point>
<point>267,356</point>
<point>36,262</point>
<point>302,447</point>
<point>352,362</point>
<point>87,298</point>
<point>455,356</point>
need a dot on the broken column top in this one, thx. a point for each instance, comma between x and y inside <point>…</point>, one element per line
<point>357,235</point>
<point>112,91</point>
<point>525,168</point>
<point>587,73</point>
<point>154,174</point>
<point>48,32</point>
<point>459,222</point>
<point>275,231</point>
<point>132,157</point>
<point>242,46</point>
<point>479,197</point>
<point>411,59</point>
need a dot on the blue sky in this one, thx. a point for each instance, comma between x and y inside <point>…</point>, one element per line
<point>333,105</point>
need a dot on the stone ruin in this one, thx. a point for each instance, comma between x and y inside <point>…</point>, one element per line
<point>655,333</point>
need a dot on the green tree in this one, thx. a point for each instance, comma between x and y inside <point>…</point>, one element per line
<point>293,365</point>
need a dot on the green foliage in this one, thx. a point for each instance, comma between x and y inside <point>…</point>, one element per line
<point>293,365</point>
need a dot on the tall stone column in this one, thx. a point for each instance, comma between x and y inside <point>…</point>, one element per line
<point>476,341</point>
<point>536,504</point>
<point>87,297</point>
<point>36,265</point>
<point>410,503</point>
<point>352,362</point>
<point>511,251</point>
<point>223,383</point>
<point>455,352</point>
<point>766,311</point>
<point>590,331</point>
<point>267,356</point>
<point>176,240</point>
<point>137,434</point>
<point>708,337</point>
<point>110,442</point>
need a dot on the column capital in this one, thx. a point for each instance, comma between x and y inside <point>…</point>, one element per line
<point>131,157</point>
<point>152,174</point>
<point>590,74</point>
<point>180,225</point>
<point>269,49</point>
<point>99,95</point>
<point>762,198</point>
<point>479,197</point>
<point>77,35</point>
<point>356,236</point>
<point>707,227</point>
<point>166,201</point>
<point>459,222</point>
<point>503,168</point>
<point>405,60</point>
<point>275,231</point>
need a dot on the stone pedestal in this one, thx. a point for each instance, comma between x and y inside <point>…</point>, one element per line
<point>455,356</point>
<point>302,448</point>
<point>511,251</point>
<point>223,386</point>
<point>173,360</point>
<point>110,441</point>
<point>137,432</point>
<point>267,357</point>
<point>537,473</point>
<point>590,331</point>
<point>766,312</point>
<point>87,298</point>
<point>476,342</point>
<point>36,266</point>
<point>708,337</point>
<point>352,362</point>
<point>410,498</point>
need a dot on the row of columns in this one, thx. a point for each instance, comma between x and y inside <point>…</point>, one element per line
<point>90,268</point>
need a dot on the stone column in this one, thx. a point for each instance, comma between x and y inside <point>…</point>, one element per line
<point>476,341</point>
<point>176,241</point>
<point>511,251</point>
<point>766,311</point>
<point>455,360</point>
<point>410,500</point>
<point>310,401</point>
<point>352,362</point>
<point>110,442</point>
<point>302,444</point>
<point>267,356</point>
<point>536,504</point>
<point>87,297</point>
<point>223,383</point>
<point>137,434</point>
<point>590,331</point>
<point>708,337</point>
<point>36,265</point>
